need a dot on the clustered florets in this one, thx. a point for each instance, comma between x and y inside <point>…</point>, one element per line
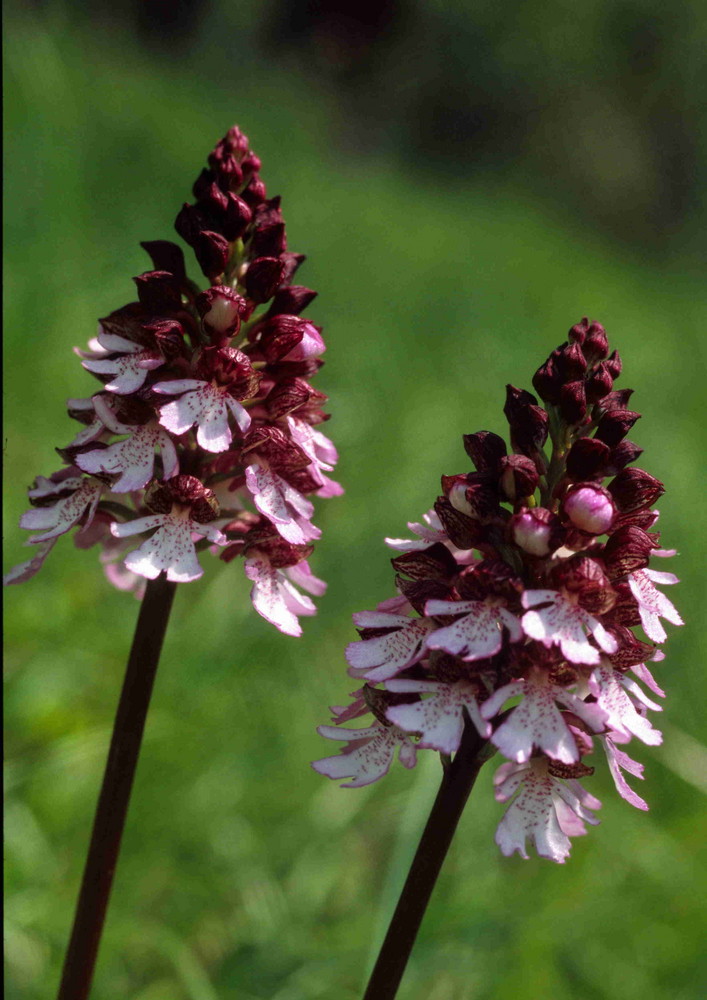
<point>217,381</point>
<point>525,582</point>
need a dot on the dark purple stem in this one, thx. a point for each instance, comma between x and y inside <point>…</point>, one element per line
<point>115,791</point>
<point>457,782</point>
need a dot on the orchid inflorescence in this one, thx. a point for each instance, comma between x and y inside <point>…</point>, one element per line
<point>217,380</point>
<point>524,585</point>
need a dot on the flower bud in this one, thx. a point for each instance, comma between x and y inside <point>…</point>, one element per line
<point>158,291</point>
<point>589,508</point>
<point>528,422</point>
<point>531,530</point>
<point>221,310</point>
<point>587,458</point>
<point>291,262</point>
<point>596,343</point>
<point>462,530</point>
<point>485,449</point>
<point>263,276</point>
<point>585,577</point>
<point>291,299</point>
<point>434,563</point>
<point>547,381</point>
<point>627,550</point>
<point>622,455</point>
<point>235,218</point>
<point>631,651</point>
<point>571,362</point>
<point>269,240</point>
<point>634,489</point>
<point>254,194</point>
<point>599,383</point>
<point>616,400</point>
<point>519,477</point>
<point>578,332</point>
<point>166,256</point>
<point>613,364</point>
<point>573,402</point>
<point>615,425</point>
<point>212,250</point>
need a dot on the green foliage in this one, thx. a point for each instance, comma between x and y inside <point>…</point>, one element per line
<point>244,874</point>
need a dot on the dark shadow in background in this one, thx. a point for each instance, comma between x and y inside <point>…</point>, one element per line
<point>600,110</point>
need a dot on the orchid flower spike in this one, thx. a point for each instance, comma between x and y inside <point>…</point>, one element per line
<point>204,427</point>
<point>525,582</point>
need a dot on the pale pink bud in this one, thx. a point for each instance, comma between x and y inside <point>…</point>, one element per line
<point>590,508</point>
<point>457,498</point>
<point>531,531</point>
<point>221,310</point>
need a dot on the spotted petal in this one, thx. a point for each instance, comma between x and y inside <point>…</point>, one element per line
<point>368,756</point>
<point>384,656</point>
<point>652,604</point>
<point>475,636</point>
<point>543,811</point>
<point>618,761</point>
<point>562,624</point>
<point>440,718</point>
<point>537,721</point>
<point>607,686</point>
<point>274,597</point>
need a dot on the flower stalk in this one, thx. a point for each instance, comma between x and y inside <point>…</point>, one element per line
<point>114,797</point>
<point>457,782</point>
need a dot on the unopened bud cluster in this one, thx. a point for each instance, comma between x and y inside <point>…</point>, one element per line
<point>205,428</point>
<point>526,581</point>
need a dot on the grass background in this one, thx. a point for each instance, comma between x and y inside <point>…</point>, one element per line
<point>243,873</point>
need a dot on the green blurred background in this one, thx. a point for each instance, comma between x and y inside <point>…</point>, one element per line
<point>467,180</point>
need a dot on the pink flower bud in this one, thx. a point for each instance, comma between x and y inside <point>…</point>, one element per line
<point>531,531</point>
<point>456,494</point>
<point>519,477</point>
<point>589,508</point>
<point>221,311</point>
